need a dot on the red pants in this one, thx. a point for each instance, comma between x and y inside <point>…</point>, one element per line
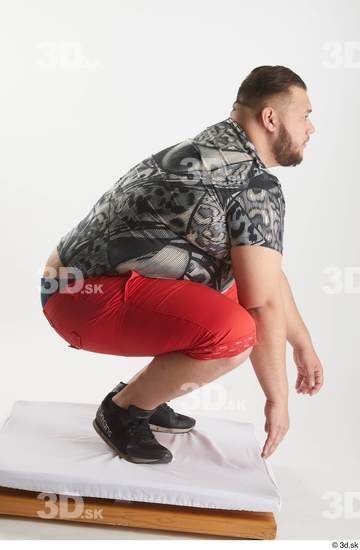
<point>132,315</point>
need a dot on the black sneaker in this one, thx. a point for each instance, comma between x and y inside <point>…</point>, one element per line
<point>165,419</point>
<point>127,431</point>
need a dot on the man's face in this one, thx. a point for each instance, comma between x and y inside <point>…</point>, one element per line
<point>294,129</point>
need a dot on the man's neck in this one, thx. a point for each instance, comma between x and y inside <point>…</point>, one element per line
<point>257,139</point>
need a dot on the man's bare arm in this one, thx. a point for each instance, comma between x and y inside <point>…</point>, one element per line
<point>268,357</point>
<point>257,273</point>
<point>297,333</point>
<point>310,371</point>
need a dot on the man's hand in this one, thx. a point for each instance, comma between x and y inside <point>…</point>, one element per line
<point>276,425</point>
<point>310,372</point>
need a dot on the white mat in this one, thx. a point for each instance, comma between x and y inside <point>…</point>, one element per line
<point>53,447</point>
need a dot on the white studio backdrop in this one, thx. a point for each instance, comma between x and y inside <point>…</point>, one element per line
<point>90,88</point>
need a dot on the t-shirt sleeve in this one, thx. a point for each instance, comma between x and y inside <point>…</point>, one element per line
<point>255,215</point>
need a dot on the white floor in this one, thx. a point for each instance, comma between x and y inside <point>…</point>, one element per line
<point>311,509</point>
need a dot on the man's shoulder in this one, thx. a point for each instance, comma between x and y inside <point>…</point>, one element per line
<point>180,158</point>
<point>222,150</point>
<point>263,179</point>
<point>215,146</point>
<point>220,135</point>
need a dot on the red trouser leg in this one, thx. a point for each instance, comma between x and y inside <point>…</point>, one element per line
<point>132,315</point>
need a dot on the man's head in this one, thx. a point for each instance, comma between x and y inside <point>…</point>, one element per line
<point>273,107</point>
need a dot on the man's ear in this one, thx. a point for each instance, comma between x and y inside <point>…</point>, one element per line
<point>269,119</point>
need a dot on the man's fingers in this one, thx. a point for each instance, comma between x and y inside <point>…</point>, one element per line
<point>266,446</point>
<point>309,385</point>
<point>298,381</point>
<point>301,387</point>
<point>310,378</point>
<point>272,442</point>
<point>312,382</point>
<point>319,377</point>
<point>319,380</point>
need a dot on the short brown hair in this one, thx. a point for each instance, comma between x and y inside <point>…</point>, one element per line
<point>264,82</point>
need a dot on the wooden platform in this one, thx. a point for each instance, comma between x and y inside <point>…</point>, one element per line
<point>225,523</point>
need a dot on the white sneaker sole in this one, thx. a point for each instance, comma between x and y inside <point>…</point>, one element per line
<point>155,428</point>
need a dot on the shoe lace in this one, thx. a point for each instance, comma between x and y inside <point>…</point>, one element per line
<point>167,408</point>
<point>140,426</point>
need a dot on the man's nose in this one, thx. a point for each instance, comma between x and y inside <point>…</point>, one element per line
<point>312,128</point>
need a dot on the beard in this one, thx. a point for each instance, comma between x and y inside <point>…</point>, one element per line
<point>283,149</point>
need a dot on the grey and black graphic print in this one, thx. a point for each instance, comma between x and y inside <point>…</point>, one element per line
<point>177,213</point>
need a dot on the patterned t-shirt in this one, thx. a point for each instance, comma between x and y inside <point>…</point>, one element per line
<point>177,213</point>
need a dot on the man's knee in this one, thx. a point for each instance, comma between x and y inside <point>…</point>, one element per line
<point>237,334</point>
<point>232,333</point>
